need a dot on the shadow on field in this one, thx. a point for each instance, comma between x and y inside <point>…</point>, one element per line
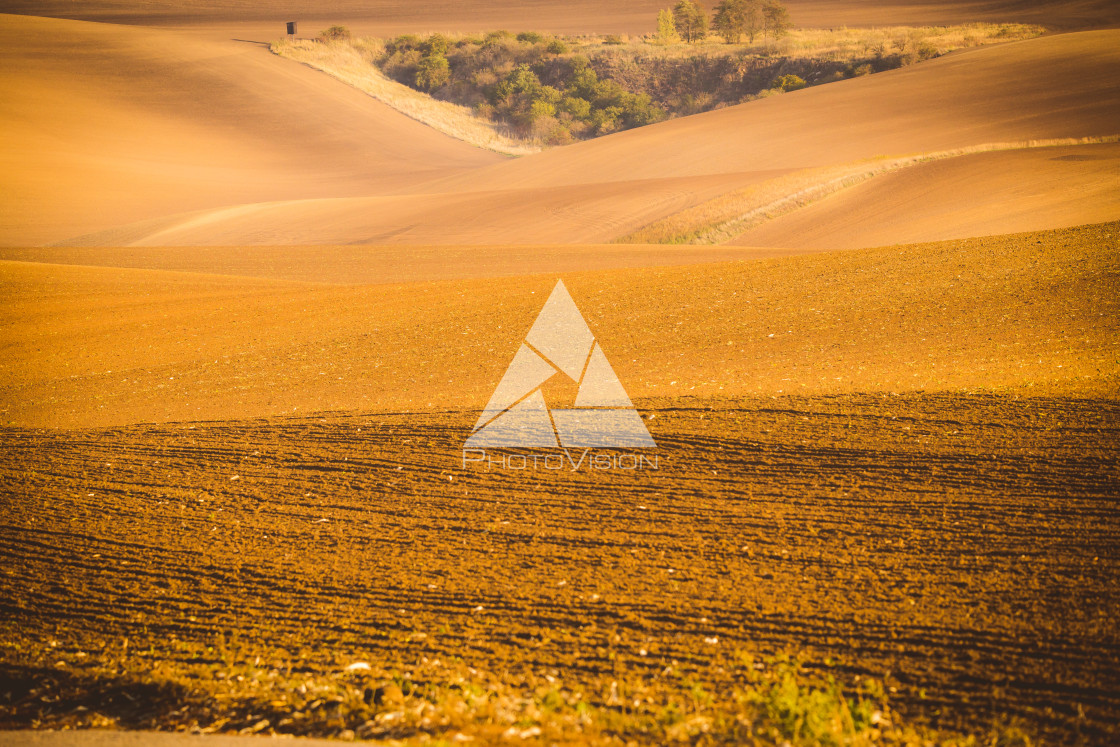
<point>32,695</point>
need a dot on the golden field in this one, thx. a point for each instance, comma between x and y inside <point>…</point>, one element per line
<point>250,314</point>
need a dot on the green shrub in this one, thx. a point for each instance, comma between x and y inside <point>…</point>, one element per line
<point>524,80</point>
<point>334,34</point>
<point>530,37</point>
<point>582,79</point>
<point>613,39</point>
<point>576,107</point>
<point>436,44</point>
<point>558,135</point>
<point>434,72</point>
<point>638,110</point>
<point>484,110</point>
<point>403,43</point>
<point>788,82</point>
<point>549,94</point>
<point>540,109</point>
<point>496,37</point>
<point>606,120</point>
<point>557,47</point>
<point>927,51</point>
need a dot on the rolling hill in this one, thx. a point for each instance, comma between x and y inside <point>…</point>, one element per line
<point>102,125</point>
<point>1055,87</point>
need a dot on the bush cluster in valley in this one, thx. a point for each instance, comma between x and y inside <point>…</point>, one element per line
<point>553,90</point>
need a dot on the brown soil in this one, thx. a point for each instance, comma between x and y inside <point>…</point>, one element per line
<point>960,546</point>
<point>105,124</point>
<point>91,346</point>
<point>973,195</point>
<point>596,191</point>
<point>963,548</point>
<point>229,145</point>
<point>228,474</point>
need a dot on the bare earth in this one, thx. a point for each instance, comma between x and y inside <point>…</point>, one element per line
<point>961,547</point>
<point>212,154</point>
<point>985,193</point>
<point>248,316</point>
<point>130,123</point>
<point>1029,311</point>
<point>838,477</point>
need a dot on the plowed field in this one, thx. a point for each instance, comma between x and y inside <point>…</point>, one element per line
<point>960,548</point>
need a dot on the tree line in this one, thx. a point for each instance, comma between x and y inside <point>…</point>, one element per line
<point>732,20</point>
